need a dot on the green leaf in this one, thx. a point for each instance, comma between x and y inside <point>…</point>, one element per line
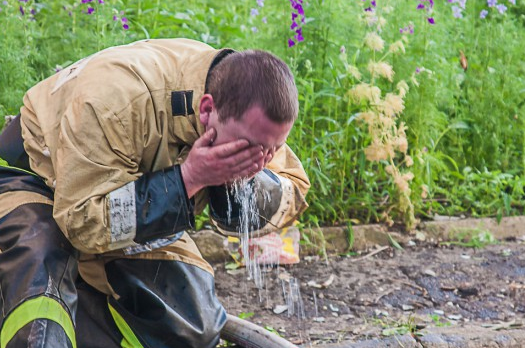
<point>394,243</point>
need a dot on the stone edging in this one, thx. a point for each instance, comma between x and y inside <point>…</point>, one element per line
<point>445,337</point>
<point>213,246</point>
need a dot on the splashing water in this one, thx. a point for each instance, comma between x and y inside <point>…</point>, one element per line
<point>246,193</point>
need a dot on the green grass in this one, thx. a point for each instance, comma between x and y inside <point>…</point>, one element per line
<point>465,128</point>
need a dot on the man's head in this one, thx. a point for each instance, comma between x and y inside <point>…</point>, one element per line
<point>245,79</point>
<point>250,95</point>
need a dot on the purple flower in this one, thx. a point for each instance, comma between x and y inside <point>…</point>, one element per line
<point>90,10</point>
<point>373,3</point>
<point>512,2</point>
<point>418,70</point>
<point>100,1</point>
<point>125,26</point>
<point>483,14</point>
<point>264,20</point>
<point>115,18</point>
<point>492,3</point>
<point>297,11</point>
<point>22,10</point>
<point>124,20</point>
<point>299,35</point>
<point>456,12</point>
<point>254,29</point>
<point>431,20</point>
<point>260,3</point>
<point>254,12</point>
<point>420,6</point>
<point>501,8</point>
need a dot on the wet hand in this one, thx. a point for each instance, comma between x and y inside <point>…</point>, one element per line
<point>211,165</point>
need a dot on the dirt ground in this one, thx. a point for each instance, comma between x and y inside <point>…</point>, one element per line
<point>383,292</point>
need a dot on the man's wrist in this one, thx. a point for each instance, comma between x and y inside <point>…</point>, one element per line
<point>187,179</point>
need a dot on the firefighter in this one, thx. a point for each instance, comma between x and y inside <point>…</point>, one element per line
<point>103,172</point>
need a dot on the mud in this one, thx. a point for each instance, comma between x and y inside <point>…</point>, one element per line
<point>385,292</point>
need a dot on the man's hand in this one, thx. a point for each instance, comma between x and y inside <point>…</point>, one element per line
<point>208,165</point>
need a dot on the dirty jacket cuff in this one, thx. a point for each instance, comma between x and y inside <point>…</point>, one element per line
<point>226,212</point>
<point>163,208</point>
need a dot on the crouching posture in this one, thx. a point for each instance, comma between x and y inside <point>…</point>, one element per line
<point>102,174</point>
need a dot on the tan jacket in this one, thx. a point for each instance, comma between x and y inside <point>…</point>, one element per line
<point>107,119</point>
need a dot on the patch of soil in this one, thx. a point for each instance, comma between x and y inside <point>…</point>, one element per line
<point>383,292</point>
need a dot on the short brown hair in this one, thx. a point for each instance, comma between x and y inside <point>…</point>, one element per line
<point>250,78</point>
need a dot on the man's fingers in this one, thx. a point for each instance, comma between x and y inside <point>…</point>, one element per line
<point>206,139</point>
<point>268,158</point>
<point>250,155</point>
<point>231,148</point>
<point>248,171</point>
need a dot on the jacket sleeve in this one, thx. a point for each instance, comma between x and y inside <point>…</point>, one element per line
<point>280,191</point>
<point>103,200</point>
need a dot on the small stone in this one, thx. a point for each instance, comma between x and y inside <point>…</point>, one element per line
<point>335,314</point>
<point>465,256</point>
<point>439,312</point>
<point>321,295</point>
<point>450,304</point>
<point>333,308</point>
<point>347,316</point>
<point>420,236</point>
<point>430,272</point>
<point>379,313</point>
<point>279,309</point>
<point>407,307</point>
<point>454,316</point>
<point>411,243</point>
<point>284,276</point>
<point>319,319</point>
<point>325,308</point>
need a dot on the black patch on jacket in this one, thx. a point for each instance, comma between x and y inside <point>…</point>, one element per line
<point>181,103</point>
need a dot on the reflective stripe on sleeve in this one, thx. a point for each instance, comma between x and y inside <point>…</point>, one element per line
<point>41,307</point>
<point>122,213</point>
<point>129,339</point>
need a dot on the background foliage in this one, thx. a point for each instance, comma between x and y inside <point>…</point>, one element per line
<point>465,127</point>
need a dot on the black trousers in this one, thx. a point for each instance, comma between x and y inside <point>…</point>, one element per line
<point>44,302</point>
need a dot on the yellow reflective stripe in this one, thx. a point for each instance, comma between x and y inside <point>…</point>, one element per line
<point>129,339</point>
<point>3,163</point>
<point>37,308</point>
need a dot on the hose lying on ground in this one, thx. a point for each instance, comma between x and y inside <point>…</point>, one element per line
<point>249,335</point>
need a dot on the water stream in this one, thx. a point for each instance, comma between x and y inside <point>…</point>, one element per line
<point>246,194</point>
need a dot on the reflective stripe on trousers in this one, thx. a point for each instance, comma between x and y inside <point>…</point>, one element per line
<point>163,303</point>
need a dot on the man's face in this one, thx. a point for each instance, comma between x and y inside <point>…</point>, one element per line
<point>253,126</point>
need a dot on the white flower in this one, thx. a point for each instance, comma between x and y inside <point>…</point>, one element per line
<point>382,69</point>
<point>374,42</point>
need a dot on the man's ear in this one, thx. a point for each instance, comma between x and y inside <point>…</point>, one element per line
<point>206,106</point>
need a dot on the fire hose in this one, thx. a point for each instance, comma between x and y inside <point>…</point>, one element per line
<point>249,335</point>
